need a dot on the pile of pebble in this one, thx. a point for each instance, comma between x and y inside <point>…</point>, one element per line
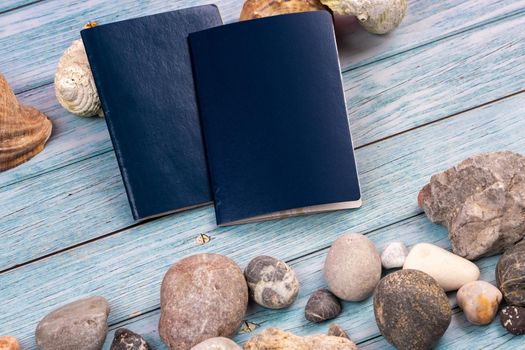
<point>204,297</point>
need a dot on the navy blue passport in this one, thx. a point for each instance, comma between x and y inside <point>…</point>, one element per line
<point>142,69</point>
<point>274,118</point>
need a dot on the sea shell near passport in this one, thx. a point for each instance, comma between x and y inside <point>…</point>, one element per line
<point>23,130</point>
<point>74,84</point>
<point>265,8</point>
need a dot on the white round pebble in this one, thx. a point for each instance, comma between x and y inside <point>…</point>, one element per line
<point>394,255</point>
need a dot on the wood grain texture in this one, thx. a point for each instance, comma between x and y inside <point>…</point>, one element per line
<point>9,5</point>
<point>81,181</point>
<point>127,267</point>
<point>33,38</point>
<point>382,98</point>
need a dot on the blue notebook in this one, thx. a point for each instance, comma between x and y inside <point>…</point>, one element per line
<point>274,118</point>
<point>143,73</point>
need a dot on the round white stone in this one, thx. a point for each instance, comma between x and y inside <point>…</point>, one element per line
<point>449,270</point>
<point>394,255</point>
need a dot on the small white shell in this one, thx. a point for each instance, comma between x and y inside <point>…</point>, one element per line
<point>74,85</point>
<point>376,16</point>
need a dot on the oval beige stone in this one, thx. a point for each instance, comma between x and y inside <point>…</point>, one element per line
<point>352,268</point>
<point>450,271</point>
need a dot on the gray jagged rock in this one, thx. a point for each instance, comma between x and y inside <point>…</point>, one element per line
<point>481,201</point>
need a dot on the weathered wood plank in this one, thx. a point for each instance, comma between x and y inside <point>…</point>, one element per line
<point>383,99</point>
<point>33,38</point>
<point>8,5</point>
<point>127,267</point>
<point>357,318</point>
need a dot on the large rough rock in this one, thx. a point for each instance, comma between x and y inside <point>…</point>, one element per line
<point>276,339</point>
<point>78,325</point>
<point>202,296</point>
<point>411,310</point>
<point>510,275</point>
<point>481,201</point>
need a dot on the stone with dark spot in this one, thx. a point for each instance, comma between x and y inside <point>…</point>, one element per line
<point>128,340</point>
<point>411,309</point>
<point>510,275</point>
<point>322,306</point>
<point>513,319</point>
<point>481,201</point>
<point>271,282</point>
<point>202,296</point>
<point>78,325</point>
<point>336,331</point>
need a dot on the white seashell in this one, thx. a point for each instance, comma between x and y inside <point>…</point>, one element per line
<point>376,16</point>
<point>74,85</point>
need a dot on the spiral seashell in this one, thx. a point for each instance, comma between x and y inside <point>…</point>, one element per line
<point>376,16</point>
<point>74,85</point>
<point>265,8</point>
<point>23,130</point>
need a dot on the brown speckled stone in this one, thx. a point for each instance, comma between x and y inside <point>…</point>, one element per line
<point>513,319</point>
<point>9,343</point>
<point>510,275</point>
<point>202,296</point>
<point>322,306</point>
<point>481,201</point>
<point>276,339</point>
<point>411,309</point>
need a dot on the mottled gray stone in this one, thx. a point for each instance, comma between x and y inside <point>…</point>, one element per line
<point>352,267</point>
<point>510,275</point>
<point>271,282</point>
<point>202,296</point>
<point>78,325</point>
<point>513,319</point>
<point>218,343</point>
<point>481,201</point>
<point>322,306</point>
<point>411,309</point>
<point>127,340</point>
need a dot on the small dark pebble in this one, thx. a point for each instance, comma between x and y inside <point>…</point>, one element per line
<point>128,340</point>
<point>513,319</point>
<point>322,306</point>
<point>336,331</point>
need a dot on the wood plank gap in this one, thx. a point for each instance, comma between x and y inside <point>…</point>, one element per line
<point>20,6</point>
<point>444,118</point>
<point>74,246</point>
<point>364,233</point>
<point>437,39</point>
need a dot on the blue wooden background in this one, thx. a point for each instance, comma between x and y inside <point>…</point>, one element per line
<point>445,85</point>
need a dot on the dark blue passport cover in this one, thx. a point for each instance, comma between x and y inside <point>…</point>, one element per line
<point>143,74</point>
<point>274,118</point>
